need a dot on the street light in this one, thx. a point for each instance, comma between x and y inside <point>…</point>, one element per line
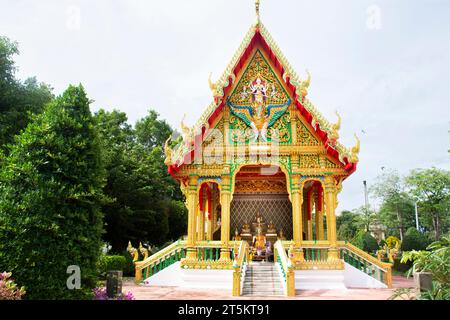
<point>417,215</point>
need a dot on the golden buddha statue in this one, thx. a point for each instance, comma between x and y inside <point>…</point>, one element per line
<point>237,237</point>
<point>271,227</point>
<point>281,236</point>
<point>259,240</point>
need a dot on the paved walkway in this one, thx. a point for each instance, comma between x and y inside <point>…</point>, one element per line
<point>176,293</point>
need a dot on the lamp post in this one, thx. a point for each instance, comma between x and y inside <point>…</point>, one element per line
<point>417,215</point>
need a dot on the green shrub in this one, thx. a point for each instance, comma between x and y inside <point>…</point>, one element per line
<point>50,197</point>
<point>108,263</point>
<point>128,270</point>
<point>402,267</point>
<point>365,241</point>
<point>414,240</point>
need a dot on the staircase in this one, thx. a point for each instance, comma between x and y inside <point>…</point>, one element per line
<point>262,279</point>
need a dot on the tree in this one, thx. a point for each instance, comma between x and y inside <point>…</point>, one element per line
<point>18,100</point>
<point>431,187</point>
<point>50,199</point>
<point>396,209</point>
<point>141,209</point>
<point>347,225</point>
<point>364,217</point>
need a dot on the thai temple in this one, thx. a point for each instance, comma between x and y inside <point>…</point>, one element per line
<point>261,171</point>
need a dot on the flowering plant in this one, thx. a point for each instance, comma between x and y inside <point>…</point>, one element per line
<point>100,294</point>
<point>9,289</point>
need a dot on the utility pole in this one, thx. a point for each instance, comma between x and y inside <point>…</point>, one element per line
<point>366,199</point>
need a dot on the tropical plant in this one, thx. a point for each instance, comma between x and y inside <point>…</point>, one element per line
<point>9,289</point>
<point>436,260</point>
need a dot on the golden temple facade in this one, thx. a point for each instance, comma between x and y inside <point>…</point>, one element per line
<point>261,170</point>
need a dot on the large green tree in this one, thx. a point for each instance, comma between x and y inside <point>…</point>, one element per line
<point>18,100</point>
<point>145,204</point>
<point>50,199</point>
<point>396,210</point>
<point>347,225</point>
<point>431,187</point>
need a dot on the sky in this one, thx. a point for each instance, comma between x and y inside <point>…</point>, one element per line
<point>383,64</point>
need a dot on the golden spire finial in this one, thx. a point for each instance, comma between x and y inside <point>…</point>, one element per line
<point>257,3</point>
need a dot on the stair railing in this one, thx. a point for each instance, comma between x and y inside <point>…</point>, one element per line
<point>239,267</point>
<point>366,263</point>
<point>286,268</point>
<point>160,260</point>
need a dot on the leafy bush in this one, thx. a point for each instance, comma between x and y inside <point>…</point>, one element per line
<point>9,289</point>
<point>435,260</point>
<point>108,263</point>
<point>414,240</point>
<point>365,241</point>
<point>401,267</point>
<point>50,198</point>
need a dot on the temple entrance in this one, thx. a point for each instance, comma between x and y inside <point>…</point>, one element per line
<point>261,212</point>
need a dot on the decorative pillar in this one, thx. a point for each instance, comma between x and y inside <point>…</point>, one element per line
<point>297,220</point>
<point>191,201</point>
<point>319,213</point>
<point>309,199</point>
<point>225,201</point>
<point>209,216</point>
<point>201,215</point>
<point>330,201</point>
<point>293,111</point>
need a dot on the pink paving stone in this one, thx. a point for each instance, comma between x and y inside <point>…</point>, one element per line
<point>175,293</point>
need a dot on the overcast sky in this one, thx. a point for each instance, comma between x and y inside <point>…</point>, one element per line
<point>385,65</point>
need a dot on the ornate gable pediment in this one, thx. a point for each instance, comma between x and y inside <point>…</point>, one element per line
<point>260,99</point>
<point>259,105</point>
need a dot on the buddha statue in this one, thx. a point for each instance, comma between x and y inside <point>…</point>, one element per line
<point>237,237</point>
<point>271,228</point>
<point>259,224</point>
<point>259,242</point>
<point>281,236</point>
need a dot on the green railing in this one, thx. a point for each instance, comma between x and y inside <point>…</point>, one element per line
<point>160,260</point>
<point>366,263</point>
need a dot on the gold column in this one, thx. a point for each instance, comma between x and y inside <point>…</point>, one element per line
<point>309,217</point>
<point>201,223</point>
<point>192,217</point>
<point>319,215</point>
<point>225,201</point>
<point>297,219</point>
<point>209,224</point>
<point>293,111</point>
<point>201,218</point>
<point>330,201</point>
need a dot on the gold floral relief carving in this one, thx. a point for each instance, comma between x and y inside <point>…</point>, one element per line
<point>304,136</point>
<point>309,161</point>
<point>260,186</point>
